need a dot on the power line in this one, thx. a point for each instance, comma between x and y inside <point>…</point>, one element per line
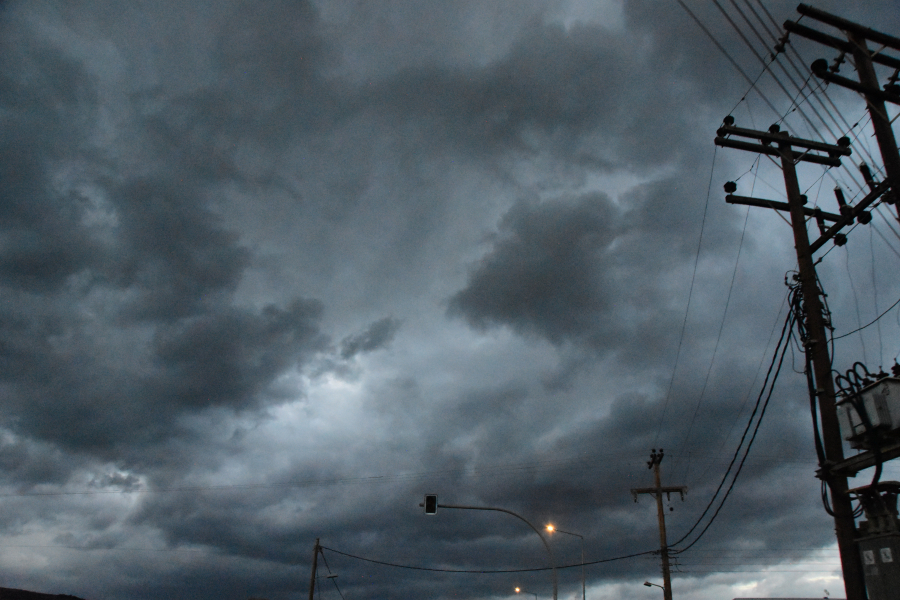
<point>837,337</point>
<point>728,56</point>
<point>783,339</point>
<point>687,309</point>
<point>487,571</point>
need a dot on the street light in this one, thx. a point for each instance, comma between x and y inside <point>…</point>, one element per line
<point>509,512</point>
<point>648,584</point>
<point>551,528</point>
<point>520,591</point>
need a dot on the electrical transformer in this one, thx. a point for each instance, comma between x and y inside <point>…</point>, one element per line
<point>879,403</point>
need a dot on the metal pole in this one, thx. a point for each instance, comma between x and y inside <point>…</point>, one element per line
<point>315,564</point>
<point>583,593</point>
<point>520,517</point>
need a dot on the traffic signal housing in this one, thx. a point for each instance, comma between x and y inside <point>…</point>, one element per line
<point>431,504</point>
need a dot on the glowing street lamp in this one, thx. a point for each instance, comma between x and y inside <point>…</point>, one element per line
<point>521,591</point>
<point>551,528</point>
<point>431,505</point>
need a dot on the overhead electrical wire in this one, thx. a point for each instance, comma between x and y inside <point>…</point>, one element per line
<point>803,74</point>
<point>488,571</point>
<point>721,326</point>
<point>862,340</point>
<point>333,579</point>
<point>750,390</point>
<point>687,309</point>
<point>728,56</point>
<point>872,322</point>
<point>875,295</point>
<point>782,347</point>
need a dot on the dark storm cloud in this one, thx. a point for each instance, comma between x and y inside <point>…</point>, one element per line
<point>190,193</point>
<point>377,335</point>
<point>587,270</point>
<point>98,265</point>
<point>544,274</point>
<point>555,90</point>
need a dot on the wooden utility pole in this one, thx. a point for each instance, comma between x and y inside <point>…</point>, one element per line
<point>816,345</point>
<point>315,564</point>
<point>657,491</point>
<point>864,60</point>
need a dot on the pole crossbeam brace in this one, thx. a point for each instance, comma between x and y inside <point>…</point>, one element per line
<point>852,214</point>
<point>761,149</point>
<point>837,43</point>
<point>845,25</point>
<point>782,206</point>
<point>820,70</point>
<point>668,491</point>
<point>853,465</point>
<point>776,138</point>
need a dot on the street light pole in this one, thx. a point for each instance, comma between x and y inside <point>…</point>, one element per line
<point>551,528</point>
<point>509,512</point>
<point>648,584</point>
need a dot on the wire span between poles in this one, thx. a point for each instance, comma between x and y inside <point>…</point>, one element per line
<point>485,571</point>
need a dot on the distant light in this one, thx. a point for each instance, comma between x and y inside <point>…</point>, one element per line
<point>518,590</point>
<point>550,528</point>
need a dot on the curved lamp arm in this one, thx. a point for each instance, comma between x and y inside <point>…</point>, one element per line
<point>521,518</point>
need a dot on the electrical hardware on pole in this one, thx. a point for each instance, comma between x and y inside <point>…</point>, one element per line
<point>783,145</point>
<point>864,60</point>
<point>657,491</point>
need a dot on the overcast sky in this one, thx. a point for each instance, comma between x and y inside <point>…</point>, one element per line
<point>272,271</point>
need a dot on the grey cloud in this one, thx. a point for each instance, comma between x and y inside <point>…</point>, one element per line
<point>111,263</point>
<point>377,335</point>
<point>544,274</point>
<point>555,89</point>
<point>228,359</point>
<point>193,193</point>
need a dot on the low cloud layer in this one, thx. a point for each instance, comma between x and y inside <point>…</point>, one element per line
<point>271,273</point>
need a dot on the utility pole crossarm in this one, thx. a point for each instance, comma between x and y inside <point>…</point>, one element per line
<point>868,84</point>
<point>660,490</point>
<point>836,43</point>
<point>761,149</point>
<point>845,25</point>
<point>782,206</point>
<point>820,70</point>
<point>854,213</point>
<point>777,137</point>
<point>842,148</point>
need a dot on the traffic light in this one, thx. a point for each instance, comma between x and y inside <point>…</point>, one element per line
<point>430,504</point>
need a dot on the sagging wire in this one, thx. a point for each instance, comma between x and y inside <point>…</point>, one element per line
<point>780,347</point>
<point>331,576</point>
<point>862,339</point>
